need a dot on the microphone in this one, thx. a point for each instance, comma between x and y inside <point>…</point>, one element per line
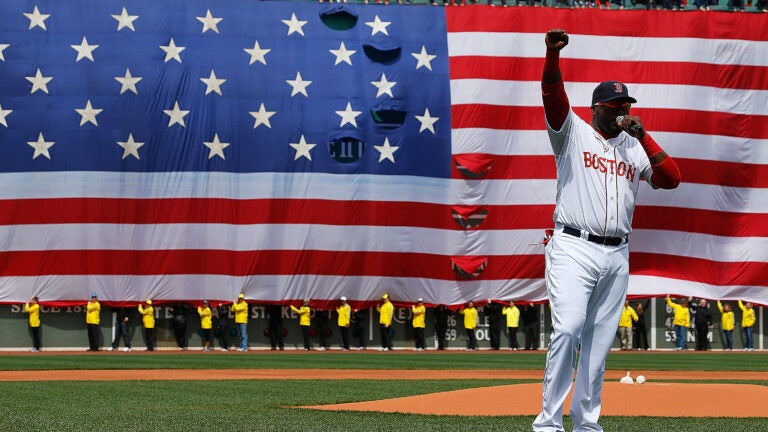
<point>634,127</point>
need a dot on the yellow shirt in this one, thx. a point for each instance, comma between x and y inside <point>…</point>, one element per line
<point>92,312</point>
<point>418,316</point>
<point>303,312</point>
<point>386,311</point>
<point>747,315</point>
<point>147,316</point>
<point>728,319</point>
<point>682,315</point>
<point>206,322</point>
<point>627,316</point>
<point>240,309</point>
<point>345,315</point>
<point>34,314</point>
<point>513,315</point>
<point>470,317</point>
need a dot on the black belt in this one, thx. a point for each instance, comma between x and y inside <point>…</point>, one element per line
<point>609,241</point>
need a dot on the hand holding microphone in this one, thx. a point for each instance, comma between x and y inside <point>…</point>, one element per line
<point>632,125</point>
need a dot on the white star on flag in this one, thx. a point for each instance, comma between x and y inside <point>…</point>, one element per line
<point>216,147</point>
<point>2,48</point>
<point>383,86</point>
<point>176,115</point>
<point>209,22</point>
<point>41,147</point>
<point>124,20</point>
<point>348,116</point>
<point>39,82</point>
<point>257,53</point>
<point>130,147</point>
<point>212,83</point>
<point>343,54</point>
<point>298,85</point>
<point>427,121</point>
<point>88,114</point>
<point>386,151</point>
<point>84,50</point>
<point>128,82</point>
<point>378,26</point>
<point>302,148</point>
<point>36,19</point>
<point>3,115</point>
<point>262,117</point>
<point>424,59</point>
<point>294,25</point>
<point>172,51</point>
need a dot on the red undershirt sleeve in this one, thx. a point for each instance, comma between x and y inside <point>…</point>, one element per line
<point>555,99</point>
<point>666,173</point>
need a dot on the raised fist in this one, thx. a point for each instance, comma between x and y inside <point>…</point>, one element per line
<point>556,39</point>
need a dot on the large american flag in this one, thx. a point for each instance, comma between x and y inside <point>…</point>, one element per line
<point>189,149</point>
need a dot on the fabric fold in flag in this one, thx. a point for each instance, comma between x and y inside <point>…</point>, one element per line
<point>469,217</point>
<point>469,266</point>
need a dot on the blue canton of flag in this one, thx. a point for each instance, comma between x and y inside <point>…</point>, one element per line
<point>234,86</point>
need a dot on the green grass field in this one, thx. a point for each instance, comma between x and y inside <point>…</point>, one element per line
<point>266,405</point>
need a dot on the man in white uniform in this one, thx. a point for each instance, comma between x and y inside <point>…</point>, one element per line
<point>599,167</point>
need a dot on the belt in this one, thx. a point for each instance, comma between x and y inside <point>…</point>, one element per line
<point>609,241</point>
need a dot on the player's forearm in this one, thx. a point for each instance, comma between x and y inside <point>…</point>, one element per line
<point>552,74</point>
<point>666,173</point>
<point>555,99</point>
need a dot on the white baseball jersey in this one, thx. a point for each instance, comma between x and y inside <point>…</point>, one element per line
<point>597,179</point>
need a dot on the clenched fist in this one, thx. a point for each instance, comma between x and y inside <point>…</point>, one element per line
<point>556,39</point>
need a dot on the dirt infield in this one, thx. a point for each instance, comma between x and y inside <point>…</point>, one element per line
<point>654,400</point>
<point>672,399</point>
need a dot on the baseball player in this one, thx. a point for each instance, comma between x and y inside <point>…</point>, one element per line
<point>599,167</point>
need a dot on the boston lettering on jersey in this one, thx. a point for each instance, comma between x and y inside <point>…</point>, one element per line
<point>621,169</point>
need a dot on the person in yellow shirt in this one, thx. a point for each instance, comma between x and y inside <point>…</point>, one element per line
<point>386,311</point>
<point>206,323</point>
<point>344,312</point>
<point>419,323</point>
<point>92,320</point>
<point>628,316</point>
<point>304,313</point>
<point>681,321</point>
<point>147,313</point>
<point>747,322</point>
<point>240,309</point>
<point>470,324</point>
<point>727,322</point>
<point>33,309</point>
<point>513,322</point>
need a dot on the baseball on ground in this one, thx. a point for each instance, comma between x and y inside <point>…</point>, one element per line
<point>640,379</point>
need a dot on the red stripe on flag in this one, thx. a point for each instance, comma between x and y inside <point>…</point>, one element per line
<point>637,72</point>
<point>219,210</point>
<point>239,212</point>
<point>656,119</point>
<point>700,270</point>
<point>719,223</point>
<point>263,262</point>
<point>730,174</point>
